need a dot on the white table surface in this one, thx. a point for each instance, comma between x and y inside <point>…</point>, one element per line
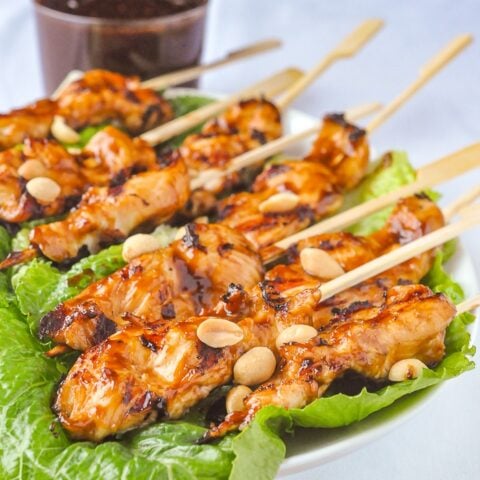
<point>443,442</point>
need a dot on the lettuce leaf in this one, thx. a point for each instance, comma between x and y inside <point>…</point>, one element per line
<point>340,410</point>
<point>392,171</point>
<point>35,446</point>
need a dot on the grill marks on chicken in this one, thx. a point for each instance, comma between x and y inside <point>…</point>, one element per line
<point>103,96</point>
<point>242,127</point>
<point>187,278</point>
<point>409,323</point>
<point>108,159</point>
<point>108,215</point>
<point>337,162</point>
<point>16,204</point>
<point>32,121</point>
<point>99,96</point>
<point>111,157</point>
<point>175,370</point>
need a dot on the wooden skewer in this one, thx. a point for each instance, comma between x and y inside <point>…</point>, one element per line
<point>348,47</point>
<point>436,172</point>
<point>254,157</point>
<point>354,40</point>
<point>469,305</point>
<point>447,54</point>
<point>180,76</point>
<point>400,255</point>
<point>461,202</point>
<point>269,87</point>
<point>187,74</point>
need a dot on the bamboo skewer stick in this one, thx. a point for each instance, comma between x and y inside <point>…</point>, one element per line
<point>469,305</point>
<point>436,172</point>
<point>400,255</point>
<point>181,76</point>
<point>461,202</point>
<point>254,157</point>
<point>348,47</point>
<point>270,87</point>
<point>428,71</point>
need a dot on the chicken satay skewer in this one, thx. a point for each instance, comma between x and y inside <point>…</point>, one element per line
<point>401,254</point>
<point>429,176</point>
<point>166,80</point>
<point>427,72</point>
<point>301,193</point>
<point>262,153</point>
<point>110,157</point>
<point>407,334</point>
<point>347,48</point>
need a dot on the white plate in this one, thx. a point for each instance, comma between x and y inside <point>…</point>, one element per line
<point>312,447</point>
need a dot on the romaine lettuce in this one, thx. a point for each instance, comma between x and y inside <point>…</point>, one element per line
<point>34,445</point>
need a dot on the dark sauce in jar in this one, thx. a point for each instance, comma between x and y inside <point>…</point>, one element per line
<point>133,37</point>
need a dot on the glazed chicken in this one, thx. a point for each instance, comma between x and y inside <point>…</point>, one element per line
<point>187,278</point>
<point>145,372</point>
<point>412,218</point>
<point>409,323</point>
<point>309,178</point>
<point>98,97</point>
<point>32,121</point>
<point>242,127</point>
<point>102,96</point>
<point>336,163</point>
<point>108,159</point>
<point>108,215</point>
<point>16,204</point>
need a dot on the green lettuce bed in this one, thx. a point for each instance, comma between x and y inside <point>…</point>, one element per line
<point>34,446</point>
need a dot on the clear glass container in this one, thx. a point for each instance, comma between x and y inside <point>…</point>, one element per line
<point>143,47</point>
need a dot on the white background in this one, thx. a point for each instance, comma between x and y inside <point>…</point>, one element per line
<point>443,442</point>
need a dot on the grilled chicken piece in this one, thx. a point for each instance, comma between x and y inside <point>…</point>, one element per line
<point>141,373</point>
<point>33,121</point>
<point>258,118</point>
<point>337,162</point>
<point>103,96</point>
<point>111,156</point>
<point>342,147</point>
<point>242,127</point>
<point>310,181</point>
<point>108,215</point>
<point>16,204</point>
<point>412,218</point>
<point>410,323</point>
<point>99,96</point>
<point>187,278</point>
<point>109,159</point>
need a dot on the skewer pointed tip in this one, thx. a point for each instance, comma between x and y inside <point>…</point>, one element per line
<point>17,258</point>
